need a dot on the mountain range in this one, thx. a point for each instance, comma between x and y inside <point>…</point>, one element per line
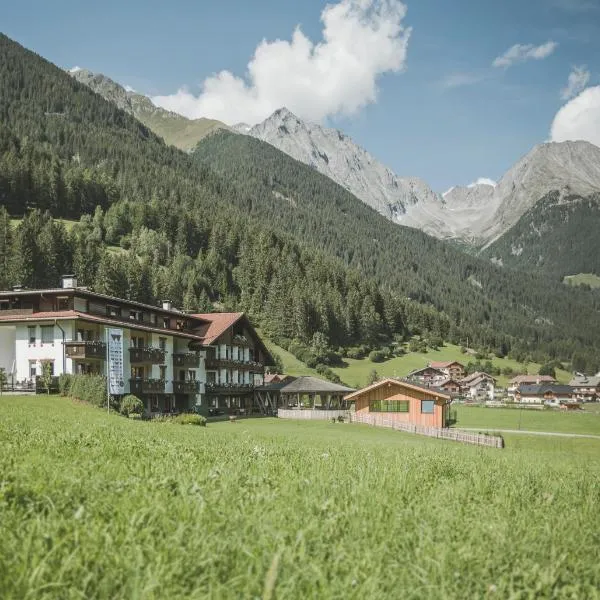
<point>243,224</point>
<point>475,215</point>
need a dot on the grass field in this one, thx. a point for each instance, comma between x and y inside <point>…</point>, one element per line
<point>97,506</point>
<point>66,222</point>
<point>356,372</point>
<point>589,278</point>
<point>586,422</point>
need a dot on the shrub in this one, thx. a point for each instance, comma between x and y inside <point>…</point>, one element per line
<point>131,405</point>
<point>64,384</point>
<point>326,372</point>
<point>377,356</point>
<point>190,419</point>
<point>90,388</point>
<point>340,419</point>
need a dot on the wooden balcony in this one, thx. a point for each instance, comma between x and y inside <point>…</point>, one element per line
<point>154,356</point>
<point>185,359</point>
<point>228,363</point>
<point>229,388</point>
<point>186,387</point>
<point>146,386</point>
<point>85,350</point>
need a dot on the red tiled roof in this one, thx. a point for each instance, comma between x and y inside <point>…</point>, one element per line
<point>218,323</point>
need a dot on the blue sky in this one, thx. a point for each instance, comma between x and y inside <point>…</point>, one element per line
<point>447,115</point>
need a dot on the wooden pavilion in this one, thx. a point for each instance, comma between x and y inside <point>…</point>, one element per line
<point>302,393</point>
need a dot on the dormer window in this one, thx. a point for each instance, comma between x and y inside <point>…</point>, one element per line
<point>166,322</point>
<point>113,311</point>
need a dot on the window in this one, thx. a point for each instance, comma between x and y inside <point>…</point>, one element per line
<point>166,322</point>
<point>191,375</point>
<point>397,406</point>
<point>135,315</point>
<point>32,368</point>
<point>163,372</point>
<point>427,406</point>
<point>47,334</point>
<point>113,311</point>
<point>162,343</point>
<point>31,335</point>
<point>62,303</point>
<point>153,318</point>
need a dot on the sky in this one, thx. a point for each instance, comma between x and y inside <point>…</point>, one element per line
<point>451,92</point>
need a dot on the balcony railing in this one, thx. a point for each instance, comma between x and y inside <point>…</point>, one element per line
<point>186,387</point>
<point>146,355</point>
<point>228,388</point>
<point>229,363</point>
<point>79,350</point>
<point>147,386</point>
<point>185,359</point>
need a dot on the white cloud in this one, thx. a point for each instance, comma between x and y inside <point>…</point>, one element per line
<point>579,77</point>
<point>483,181</point>
<point>74,69</point>
<point>522,52</point>
<point>579,119</point>
<point>362,39</point>
<point>128,88</point>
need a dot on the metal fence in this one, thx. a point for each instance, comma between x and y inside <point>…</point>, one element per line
<point>457,435</point>
<point>317,414</point>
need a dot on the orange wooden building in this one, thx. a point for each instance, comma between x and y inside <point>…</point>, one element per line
<point>404,402</point>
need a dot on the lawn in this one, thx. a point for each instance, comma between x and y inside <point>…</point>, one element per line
<point>66,222</point>
<point>98,506</point>
<point>356,373</point>
<point>586,422</point>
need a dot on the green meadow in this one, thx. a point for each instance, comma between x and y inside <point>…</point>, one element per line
<point>97,506</point>
<point>356,372</point>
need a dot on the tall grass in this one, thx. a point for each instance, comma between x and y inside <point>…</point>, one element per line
<point>97,506</point>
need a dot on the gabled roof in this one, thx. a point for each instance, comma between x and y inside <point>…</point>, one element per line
<point>545,387</point>
<point>218,323</point>
<point>313,385</point>
<point>584,381</point>
<point>429,368</point>
<point>477,374</point>
<point>444,364</point>
<point>400,383</point>
<point>441,384</point>
<point>477,381</point>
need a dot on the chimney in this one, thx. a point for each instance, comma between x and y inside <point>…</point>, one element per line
<point>167,305</point>
<point>69,282</point>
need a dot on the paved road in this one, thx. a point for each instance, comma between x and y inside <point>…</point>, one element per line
<point>527,432</point>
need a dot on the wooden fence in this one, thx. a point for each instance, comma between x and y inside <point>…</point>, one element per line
<point>457,435</point>
<point>321,415</point>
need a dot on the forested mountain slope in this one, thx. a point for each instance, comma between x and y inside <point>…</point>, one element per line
<point>559,235</point>
<point>176,130</point>
<point>243,224</point>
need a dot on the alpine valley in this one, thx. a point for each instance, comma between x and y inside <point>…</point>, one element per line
<point>238,224</point>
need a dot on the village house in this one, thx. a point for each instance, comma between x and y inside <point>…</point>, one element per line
<point>587,389</point>
<point>403,401</point>
<point>427,376</point>
<point>449,385</point>
<point>515,382</point>
<point>451,368</point>
<point>478,387</point>
<point>173,361</point>
<point>542,393</point>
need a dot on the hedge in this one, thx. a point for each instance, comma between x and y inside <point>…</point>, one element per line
<point>89,388</point>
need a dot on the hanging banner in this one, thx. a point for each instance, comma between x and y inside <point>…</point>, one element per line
<point>114,355</point>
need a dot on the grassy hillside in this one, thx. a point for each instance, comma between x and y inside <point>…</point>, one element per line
<point>356,372</point>
<point>583,278</point>
<point>97,506</point>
